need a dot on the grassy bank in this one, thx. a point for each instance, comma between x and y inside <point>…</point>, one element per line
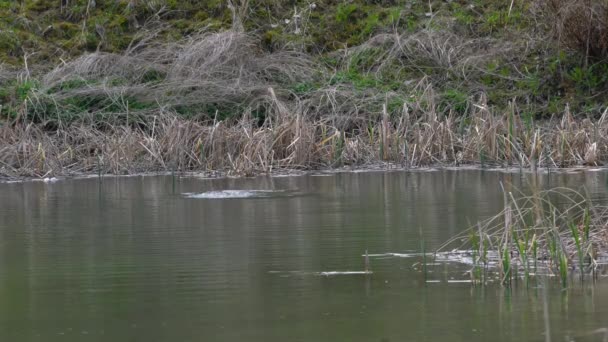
<point>165,141</point>
<point>248,86</point>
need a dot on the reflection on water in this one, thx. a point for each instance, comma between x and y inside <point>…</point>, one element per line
<point>135,259</point>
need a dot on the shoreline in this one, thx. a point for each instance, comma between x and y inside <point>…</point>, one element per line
<point>299,173</point>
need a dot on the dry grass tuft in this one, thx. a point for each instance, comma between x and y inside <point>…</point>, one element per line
<point>6,73</point>
<point>224,67</point>
<point>441,53</point>
<point>582,25</point>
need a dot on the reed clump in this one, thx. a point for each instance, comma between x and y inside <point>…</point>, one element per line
<point>557,232</point>
<point>291,138</point>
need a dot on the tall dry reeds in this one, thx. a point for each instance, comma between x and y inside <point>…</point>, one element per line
<point>290,139</point>
<point>557,232</point>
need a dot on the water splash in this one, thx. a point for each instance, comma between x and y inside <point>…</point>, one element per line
<point>226,194</point>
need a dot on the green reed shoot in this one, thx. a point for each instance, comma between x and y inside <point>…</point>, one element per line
<point>535,251</point>
<point>586,225</point>
<point>506,265</point>
<point>558,253</point>
<point>483,245</point>
<point>522,249</point>
<point>550,243</point>
<point>370,133</point>
<point>476,248</point>
<point>563,267</point>
<point>484,251</point>
<point>579,248</point>
<point>552,246</point>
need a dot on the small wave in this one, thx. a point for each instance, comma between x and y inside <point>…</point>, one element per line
<point>337,273</point>
<point>231,194</point>
<point>459,281</point>
<point>397,255</point>
<point>324,274</point>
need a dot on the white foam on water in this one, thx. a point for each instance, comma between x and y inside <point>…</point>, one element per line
<point>46,180</point>
<point>455,281</point>
<point>405,255</point>
<point>397,255</point>
<point>290,174</point>
<point>337,273</point>
<point>11,181</point>
<point>223,194</point>
<point>324,274</point>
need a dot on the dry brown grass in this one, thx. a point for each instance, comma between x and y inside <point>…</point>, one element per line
<point>581,25</point>
<point>437,52</point>
<point>292,139</point>
<point>210,67</point>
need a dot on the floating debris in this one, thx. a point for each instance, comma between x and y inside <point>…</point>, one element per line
<point>396,255</point>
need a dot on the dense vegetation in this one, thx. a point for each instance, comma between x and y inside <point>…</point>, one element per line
<point>505,49</point>
<point>370,69</point>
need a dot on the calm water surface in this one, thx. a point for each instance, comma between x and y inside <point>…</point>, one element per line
<point>158,259</point>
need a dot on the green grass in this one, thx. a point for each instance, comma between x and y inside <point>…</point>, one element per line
<point>541,81</point>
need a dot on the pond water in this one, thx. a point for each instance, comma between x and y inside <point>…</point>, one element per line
<point>159,258</point>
